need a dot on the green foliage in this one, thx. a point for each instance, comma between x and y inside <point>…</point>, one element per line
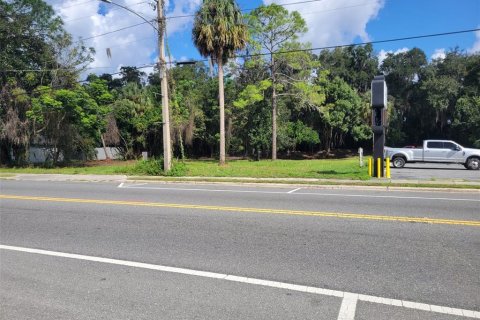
<point>433,100</point>
<point>154,167</point>
<point>272,26</point>
<point>151,167</point>
<point>139,120</point>
<point>341,114</point>
<point>218,29</point>
<point>357,65</point>
<point>179,169</point>
<point>319,102</point>
<point>466,123</point>
<point>296,133</point>
<point>252,94</point>
<point>67,120</point>
<point>32,37</point>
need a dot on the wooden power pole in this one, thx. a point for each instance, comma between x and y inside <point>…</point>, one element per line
<point>162,66</point>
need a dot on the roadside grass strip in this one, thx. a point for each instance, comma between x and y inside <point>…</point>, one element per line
<point>349,299</point>
<point>471,223</point>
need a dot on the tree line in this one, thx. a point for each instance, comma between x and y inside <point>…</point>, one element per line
<point>264,93</point>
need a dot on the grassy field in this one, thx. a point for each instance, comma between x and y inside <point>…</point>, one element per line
<point>327,169</point>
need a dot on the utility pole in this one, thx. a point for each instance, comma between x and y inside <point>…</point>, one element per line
<point>162,66</point>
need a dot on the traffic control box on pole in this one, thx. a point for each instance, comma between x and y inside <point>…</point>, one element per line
<point>379,112</point>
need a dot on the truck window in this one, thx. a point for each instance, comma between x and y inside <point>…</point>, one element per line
<point>449,145</point>
<point>435,145</point>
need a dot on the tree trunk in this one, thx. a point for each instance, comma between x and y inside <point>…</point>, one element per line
<point>107,157</point>
<point>330,136</point>
<point>228,133</point>
<point>274,109</point>
<point>221,95</point>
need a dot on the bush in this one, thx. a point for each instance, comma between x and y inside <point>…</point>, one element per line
<point>178,169</point>
<point>152,167</point>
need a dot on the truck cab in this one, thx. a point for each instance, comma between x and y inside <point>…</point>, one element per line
<point>442,151</point>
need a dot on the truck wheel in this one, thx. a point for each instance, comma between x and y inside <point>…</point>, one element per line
<point>398,162</point>
<point>473,163</point>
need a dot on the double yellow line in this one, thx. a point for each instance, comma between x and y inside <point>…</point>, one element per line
<point>471,223</point>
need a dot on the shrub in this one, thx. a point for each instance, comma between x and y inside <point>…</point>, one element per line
<point>151,167</point>
<point>178,169</point>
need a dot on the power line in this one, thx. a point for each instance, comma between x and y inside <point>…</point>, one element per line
<point>312,49</point>
<point>113,31</point>
<point>367,42</point>
<point>339,8</point>
<point>249,9</point>
<point>308,13</point>
<point>114,9</point>
<point>49,70</point>
<point>78,4</point>
<point>184,16</point>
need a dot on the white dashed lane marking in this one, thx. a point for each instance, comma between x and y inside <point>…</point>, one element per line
<point>347,309</point>
<point>294,192</point>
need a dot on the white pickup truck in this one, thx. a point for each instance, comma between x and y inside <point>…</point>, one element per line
<point>439,151</point>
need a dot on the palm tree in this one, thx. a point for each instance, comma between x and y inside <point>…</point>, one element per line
<point>218,31</point>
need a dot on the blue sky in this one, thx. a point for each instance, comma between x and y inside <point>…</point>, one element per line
<point>330,22</point>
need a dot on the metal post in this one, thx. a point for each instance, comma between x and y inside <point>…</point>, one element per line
<point>378,145</point>
<point>360,155</point>
<point>370,167</point>
<point>167,148</point>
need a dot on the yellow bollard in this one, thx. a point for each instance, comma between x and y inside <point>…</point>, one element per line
<point>370,167</point>
<point>379,166</point>
<point>388,168</point>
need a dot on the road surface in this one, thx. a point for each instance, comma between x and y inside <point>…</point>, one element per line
<point>435,171</point>
<point>73,250</point>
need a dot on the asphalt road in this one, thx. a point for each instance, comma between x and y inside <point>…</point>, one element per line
<point>435,171</point>
<point>185,251</point>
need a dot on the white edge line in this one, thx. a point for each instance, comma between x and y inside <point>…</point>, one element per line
<point>348,297</point>
<point>132,185</point>
<point>292,191</point>
<point>348,307</point>
<point>139,186</point>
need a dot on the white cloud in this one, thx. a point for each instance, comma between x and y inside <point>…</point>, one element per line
<point>335,22</point>
<point>383,54</point>
<point>130,47</point>
<point>438,54</point>
<point>476,45</point>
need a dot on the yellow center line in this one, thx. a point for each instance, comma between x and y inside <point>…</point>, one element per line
<point>472,223</point>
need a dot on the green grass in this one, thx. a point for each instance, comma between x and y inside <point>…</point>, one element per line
<point>6,175</point>
<point>321,169</point>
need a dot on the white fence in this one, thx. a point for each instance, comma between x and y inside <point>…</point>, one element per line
<point>40,154</point>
